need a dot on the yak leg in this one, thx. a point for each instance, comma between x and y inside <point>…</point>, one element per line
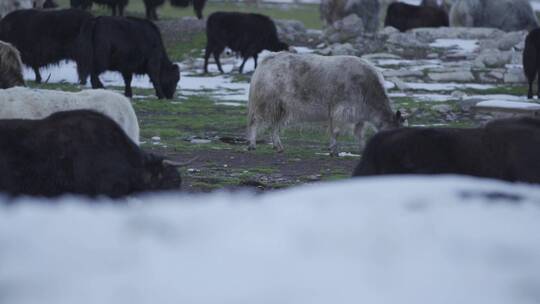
<point>359,132</point>
<point>530,93</point>
<point>207,53</point>
<point>276,141</point>
<point>120,10</point>
<point>113,7</point>
<point>127,82</point>
<point>255,57</point>
<point>216,57</point>
<point>242,65</point>
<point>538,92</point>
<point>38,75</point>
<point>252,133</point>
<point>96,83</point>
<point>333,146</point>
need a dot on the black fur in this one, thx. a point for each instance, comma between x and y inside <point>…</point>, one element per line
<point>247,34</point>
<point>43,37</point>
<point>404,16</point>
<point>77,152</point>
<point>50,4</point>
<point>506,149</point>
<point>152,5</point>
<point>129,46</point>
<point>531,60</point>
<point>117,6</point>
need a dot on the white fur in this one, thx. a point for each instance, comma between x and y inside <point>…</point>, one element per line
<point>344,91</point>
<point>24,103</point>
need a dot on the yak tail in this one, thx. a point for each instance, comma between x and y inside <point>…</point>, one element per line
<point>84,52</point>
<point>530,59</point>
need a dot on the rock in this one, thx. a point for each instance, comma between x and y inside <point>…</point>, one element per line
<point>402,73</point>
<point>509,40</point>
<point>492,59</point>
<point>428,35</point>
<point>345,29</point>
<point>406,40</point>
<point>457,76</point>
<point>156,138</point>
<point>380,56</point>
<point>366,10</point>
<point>515,75</point>
<point>340,49</point>
<point>442,108</point>
<point>291,31</point>
<point>401,85</point>
<point>458,94</point>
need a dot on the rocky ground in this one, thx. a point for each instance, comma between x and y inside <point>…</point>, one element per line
<point>455,77</point>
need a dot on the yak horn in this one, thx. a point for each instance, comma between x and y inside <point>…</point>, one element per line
<point>48,78</point>
<point>171,163</point>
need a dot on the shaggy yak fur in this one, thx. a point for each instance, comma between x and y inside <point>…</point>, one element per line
<point>152,5</point>
<point>404,16</point>
<point>117,6</point>
<point>77,152</point>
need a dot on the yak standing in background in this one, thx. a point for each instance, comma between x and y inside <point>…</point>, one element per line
<point>129,46</point>
<point>11,74</point>
<point>531,60</point>
<point>405,16</point>
<point>43,37</point>
<point>247,34</point>
<point>152,5</point>
<point>506,15</point>
<point>117,6</point>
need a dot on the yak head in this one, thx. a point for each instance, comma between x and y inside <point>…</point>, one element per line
<point>160,173</point>
<point>170,75</point>
<point>279,46</point>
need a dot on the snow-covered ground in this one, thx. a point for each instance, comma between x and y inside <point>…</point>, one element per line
<point>379,240</point>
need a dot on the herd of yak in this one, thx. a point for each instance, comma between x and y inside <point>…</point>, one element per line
<point>55,142</point>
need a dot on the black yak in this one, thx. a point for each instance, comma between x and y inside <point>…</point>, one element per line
<point>10,66</point>
<point>129,46</point>
<point>151,6</point>
<point>43,37</point>
<point>507,149</point>
<point>247,34</point>
<point>531,59</point>
<point>404,16</point>
<point>117,6</point>
<point>77,152</point>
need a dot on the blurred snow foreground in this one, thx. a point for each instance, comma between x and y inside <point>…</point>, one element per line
<point>380,240</point>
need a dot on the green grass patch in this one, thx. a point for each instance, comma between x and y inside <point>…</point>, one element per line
<point>306,13</point>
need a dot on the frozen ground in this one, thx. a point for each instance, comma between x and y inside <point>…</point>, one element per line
<point>380,240</point>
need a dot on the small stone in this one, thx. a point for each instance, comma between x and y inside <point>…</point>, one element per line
<point>200,141</point>
<point>156,138</point>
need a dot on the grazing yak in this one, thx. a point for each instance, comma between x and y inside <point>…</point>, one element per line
<point>507,15</point>
<point>531,59</point>
<point>247,34</point>
<point>368,10</point>
<point>117,6</point>
<point>343,91</point>
<point>129,46</point>
<point>24,103</point>
<point>506,149</point>
<point>43,37</point>
<point>151,6</point>
<point>404,16</point>
<point>10,66</point>
<point>77,152</point>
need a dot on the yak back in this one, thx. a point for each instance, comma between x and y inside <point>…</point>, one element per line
<point>43,36</point>
<point>240,31</point>
<point>423,151</point>
<point>80,152</point>
<point>127,43</point>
